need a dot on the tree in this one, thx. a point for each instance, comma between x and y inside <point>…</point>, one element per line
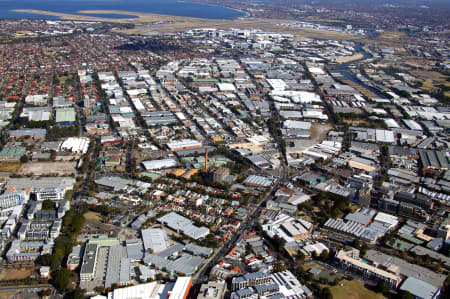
<point>279,266</point>
<point>356,243</point>
<point>48,204</point>
<point>324,255</point>
<point>382,287</point>
<point>301,256</point>
<point>61,279</point>
<point>76,294</point>
<point>326,293</point>
<point>405,295</point>
<point>46,260</point>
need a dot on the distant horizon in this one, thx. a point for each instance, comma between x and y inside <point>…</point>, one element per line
<point>167,7</point>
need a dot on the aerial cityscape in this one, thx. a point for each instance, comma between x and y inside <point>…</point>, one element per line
<point>237,149</point>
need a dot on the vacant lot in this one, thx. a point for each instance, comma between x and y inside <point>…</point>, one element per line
<point>13,274</point>
<point>319,131</point>
<point>353,290</point>
<point>9,166</point>
<point>432,80</point>
<point>46,168</point>
<point>92,216</point>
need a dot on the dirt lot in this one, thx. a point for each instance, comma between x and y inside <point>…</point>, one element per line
<point>45,168</point>
<point>9,166</point>
<point>319,131</point>
<point>12,274</point>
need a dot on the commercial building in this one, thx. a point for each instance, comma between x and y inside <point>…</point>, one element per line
<point>87,271</point>
<point>263,285</point>
<point>212,290</point>
<point>42,188</point>
<point>74,258</point>
<point>404,268</point>
<point>13,199</point>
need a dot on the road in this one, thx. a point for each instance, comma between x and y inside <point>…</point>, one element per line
<point>203,275</point>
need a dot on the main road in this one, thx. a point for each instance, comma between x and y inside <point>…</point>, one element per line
<point>203,275</point>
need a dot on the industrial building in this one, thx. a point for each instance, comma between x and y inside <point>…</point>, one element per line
<point>159,164</point>
<point>75,145</point>
<point>434,159</point>
<point>183,225</point>
<point>155,239</point>
<point>154,290</point>
<point>420,289</point>
<point>258,181</point>
<point>184,144</point>
<point>288,228</point>
<point>176,259</point>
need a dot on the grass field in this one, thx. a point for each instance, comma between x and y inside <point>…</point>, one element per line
<point>92,216</point>
<point>9,166</point>
<point>353,290</point>
<point>431,80</point>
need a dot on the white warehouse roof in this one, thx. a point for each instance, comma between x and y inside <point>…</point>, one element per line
<point>159,164</point>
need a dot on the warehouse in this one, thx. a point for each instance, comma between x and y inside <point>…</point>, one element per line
<point>155,239</point>
<point>420,289</point>
<point>159,164</point>
<point>434,159</point>
<point>183,225</point>
<point>294,124</point>
<point>75,145</point>
<point>258,181</point>
<point>153,290</point>
<point>183,144</point>
<point>363,164</point>
<point>277,84</point>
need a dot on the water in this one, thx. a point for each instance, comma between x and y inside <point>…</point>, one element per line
<point>169,7</point>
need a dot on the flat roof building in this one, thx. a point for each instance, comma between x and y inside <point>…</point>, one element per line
<point>155,239</point>
<point>183,225</point>
<point>65,116</point>
<point>420,289</point>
